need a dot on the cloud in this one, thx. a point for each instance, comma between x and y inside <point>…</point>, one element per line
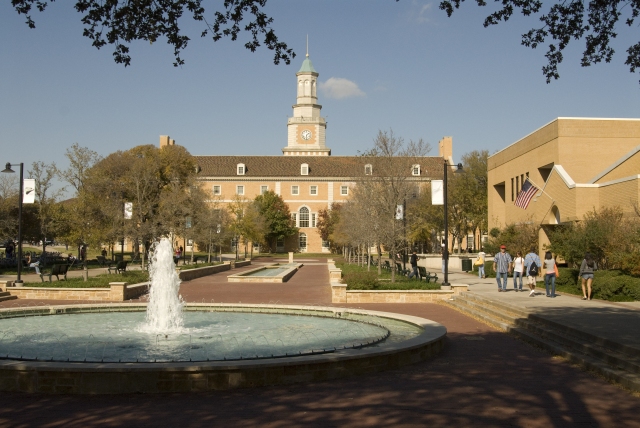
<point>420,12</point>
<point>339,88</point>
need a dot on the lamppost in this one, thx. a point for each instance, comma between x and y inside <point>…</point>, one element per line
<point>8,169</point>
<point>445,255</point>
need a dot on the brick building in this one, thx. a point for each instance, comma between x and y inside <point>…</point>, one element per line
<point>579,164</point>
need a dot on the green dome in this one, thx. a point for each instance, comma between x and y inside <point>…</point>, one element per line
<point>307,67</point>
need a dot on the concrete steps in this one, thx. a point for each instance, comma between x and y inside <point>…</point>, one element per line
<point>5,295</point>
<point>614,361</point>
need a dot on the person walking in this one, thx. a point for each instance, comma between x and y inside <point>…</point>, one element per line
<point>480,263</point>
<point>414,265</point>
<point>518,270</point>
<point>532,267</point>
<point>550,274</point>
<point>502,267</point>
<point>587,268</point>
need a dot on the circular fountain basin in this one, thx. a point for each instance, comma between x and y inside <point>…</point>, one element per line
<point>89,349</point>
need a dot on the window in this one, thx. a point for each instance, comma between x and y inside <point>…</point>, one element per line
<point>517,185</point>
<point>325,244</point>
<point>368,169</point>
<point>241,169</point>
<point>303,241</point>
<point>295,190</point>
<point>263,189</point>
<point>313,219</point>
<point>415,170</point>
<point>313,190</point>
<point>304,217</point>
<point>217,190</point>
<point>512,190</point>
<point>239,190</point>
<point>304,169</point>
<point>294,217</point>
<point>280,244</point>
<point>470,241</point>
<point>344,190</point>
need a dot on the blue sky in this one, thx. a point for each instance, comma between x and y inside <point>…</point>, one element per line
<point>383,64</point>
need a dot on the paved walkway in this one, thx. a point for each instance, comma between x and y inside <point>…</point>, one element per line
<point>615,321</point>
<point>482,378</point>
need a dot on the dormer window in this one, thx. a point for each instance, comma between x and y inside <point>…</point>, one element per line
<point>415,170</point>
<point>304,169</point>
<point>368,169</point>
<point>241,169</point>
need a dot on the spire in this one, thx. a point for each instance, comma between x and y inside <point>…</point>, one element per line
<point>307,66</point>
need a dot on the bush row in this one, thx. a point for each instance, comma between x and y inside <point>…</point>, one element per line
<point>612,285</point>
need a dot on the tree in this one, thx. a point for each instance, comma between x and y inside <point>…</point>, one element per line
<point>46,199</point>
<point>246,222</point>
<point>276,215</point>
<point>8,207</point>
<point>327,224</point>
<point>565,21</point>
<point>377,195</point>
<point>145,177</point>
<point>119,23</point>
<point>212,227</point>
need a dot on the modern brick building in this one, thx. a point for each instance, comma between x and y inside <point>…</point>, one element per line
<point>579,164</point>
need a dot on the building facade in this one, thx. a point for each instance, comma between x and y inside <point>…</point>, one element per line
<point>578,165</point>
<point>306,175</point>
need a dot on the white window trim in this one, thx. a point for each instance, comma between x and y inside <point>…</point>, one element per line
<point>265,190</point>
<point>213,189</point>
<point>368,169</point>
<point>238,188</point>
<point>346,188</point>
<point>241,169</point>
<point>311,188</point>
<point>413,170</point>
<point>297,190</point>
<point>304,169</point>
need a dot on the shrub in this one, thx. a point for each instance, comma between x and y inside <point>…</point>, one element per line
<point>612,285</point>
<point>361,280</point>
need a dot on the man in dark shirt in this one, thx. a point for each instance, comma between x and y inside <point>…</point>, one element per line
<point>414,265</point>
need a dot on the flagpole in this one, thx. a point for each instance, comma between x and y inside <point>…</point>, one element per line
<point>541,189</point>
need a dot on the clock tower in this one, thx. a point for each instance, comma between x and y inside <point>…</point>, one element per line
<point>306,129</point>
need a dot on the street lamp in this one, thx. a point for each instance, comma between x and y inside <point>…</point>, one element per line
<point>445,255</point>
<point>10,171</point>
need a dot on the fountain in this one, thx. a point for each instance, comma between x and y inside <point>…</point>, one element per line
<point>118,348</point>
<point>164,312</point>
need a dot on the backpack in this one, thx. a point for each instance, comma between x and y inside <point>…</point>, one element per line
<point>533,269</point>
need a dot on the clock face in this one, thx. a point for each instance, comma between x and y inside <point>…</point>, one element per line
<point>306,135</point>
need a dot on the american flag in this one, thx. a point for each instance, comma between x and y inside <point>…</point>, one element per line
<point>525,195</point>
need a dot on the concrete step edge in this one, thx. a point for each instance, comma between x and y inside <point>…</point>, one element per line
<point>489,310</point>
<point>485,317</point>
<point>626,379</point>
<point>504,306</point>
<point>607,356</point>
<point>566,329</point>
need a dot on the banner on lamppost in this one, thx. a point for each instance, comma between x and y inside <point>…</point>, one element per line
<point>29,191</point>
<point>399,212</point>
<point>437,193</point>
<point>128,210</point>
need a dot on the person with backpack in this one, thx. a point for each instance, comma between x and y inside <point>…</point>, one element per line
<point>531,267</point>
<point>587,269</point>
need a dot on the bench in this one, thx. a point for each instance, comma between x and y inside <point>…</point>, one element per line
<point>102,261</point>
<point>428,276</point>
<point>120,267</point>
<point>56,270</point>
<point>402,271</point>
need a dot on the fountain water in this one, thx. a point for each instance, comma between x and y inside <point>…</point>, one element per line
<point>164,312</point>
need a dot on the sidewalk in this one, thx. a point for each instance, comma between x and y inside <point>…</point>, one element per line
<point>616,321</point>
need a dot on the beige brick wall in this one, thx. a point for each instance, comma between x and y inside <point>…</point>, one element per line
<point>584,148</point>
